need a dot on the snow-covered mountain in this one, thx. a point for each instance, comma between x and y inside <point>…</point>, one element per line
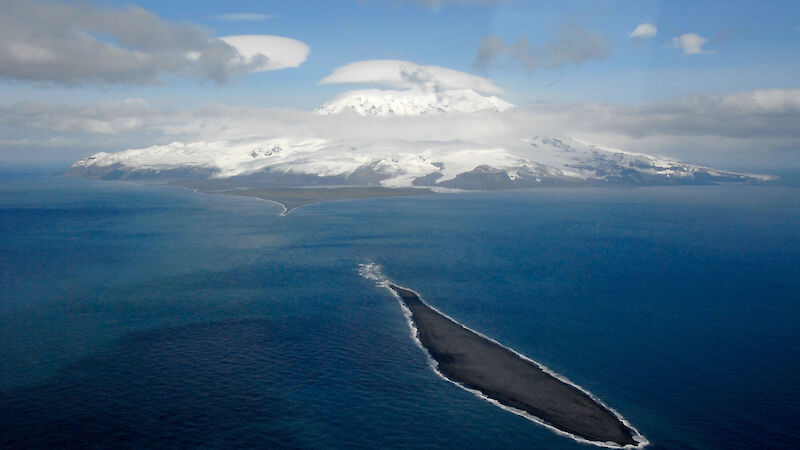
<point>412,102</point>
<point>395,163</point>
<point>486,159</point>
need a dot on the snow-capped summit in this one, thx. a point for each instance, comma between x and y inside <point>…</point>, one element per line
<point>412,102</point>
<point>529,162</point>
<point>413,90</point>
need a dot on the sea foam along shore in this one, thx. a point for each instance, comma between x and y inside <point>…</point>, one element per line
<point>373,272</point>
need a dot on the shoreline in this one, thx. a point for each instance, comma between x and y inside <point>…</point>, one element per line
<point>506,378</point>
<point>285,209</point>
<point>293,198</point>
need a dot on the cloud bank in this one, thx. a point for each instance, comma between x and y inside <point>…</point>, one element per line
<point>408,75</point>
<point>743,115</point>
<point>76,43</point>
<point>747,114</point>
<point>731,131</point>
<point>573,44</point>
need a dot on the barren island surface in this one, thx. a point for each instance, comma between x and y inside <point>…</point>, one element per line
<point>499,373</point>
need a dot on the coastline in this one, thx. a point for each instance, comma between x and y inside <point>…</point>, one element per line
<point>293,198</point>
<point>506,378</point>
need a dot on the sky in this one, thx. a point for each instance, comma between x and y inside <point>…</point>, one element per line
<point>712,82</point>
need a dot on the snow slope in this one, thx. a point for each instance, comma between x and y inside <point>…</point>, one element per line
<point>412,102</point>
<point>396,163</point>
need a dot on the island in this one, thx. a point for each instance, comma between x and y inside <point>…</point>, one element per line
<point>502,375</point>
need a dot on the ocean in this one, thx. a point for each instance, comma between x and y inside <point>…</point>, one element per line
<point>141,316</point>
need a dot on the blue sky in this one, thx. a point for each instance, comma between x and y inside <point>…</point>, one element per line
<point>716,84</point>
<point>753,45</point>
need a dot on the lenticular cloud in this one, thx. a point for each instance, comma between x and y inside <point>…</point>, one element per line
<point>408,75</point>
<point>274,52</point>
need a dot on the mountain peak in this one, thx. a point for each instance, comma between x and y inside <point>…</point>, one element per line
<point>412,102</point>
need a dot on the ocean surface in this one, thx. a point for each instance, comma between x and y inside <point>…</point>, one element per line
<point>137,316</point>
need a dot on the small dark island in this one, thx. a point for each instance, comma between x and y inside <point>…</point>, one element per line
<point>500,374</point>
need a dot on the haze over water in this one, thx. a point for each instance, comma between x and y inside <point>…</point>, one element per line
<point>147,315</point>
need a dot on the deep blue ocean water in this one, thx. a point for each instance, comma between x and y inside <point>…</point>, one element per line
<point>147,316</point>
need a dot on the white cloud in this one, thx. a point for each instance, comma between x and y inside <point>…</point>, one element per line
<point>76,43</point>
<point>405,74</point>
<point>644,31</point>
<point>278,52</point>
<point>742,115</point>
<point>244,16</point>
<point>690,43</point>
